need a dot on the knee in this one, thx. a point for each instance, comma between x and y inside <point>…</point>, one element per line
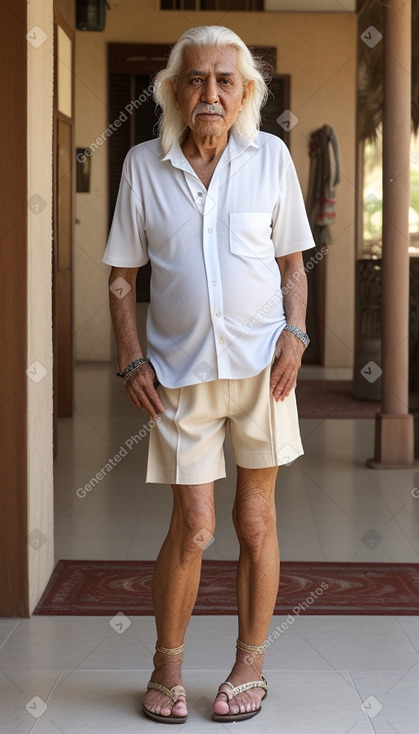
<point>194,526</point>
<point>254,519</point>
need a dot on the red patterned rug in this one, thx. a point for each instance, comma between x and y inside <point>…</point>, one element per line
<point>332,399</point>
<point>108,587</point>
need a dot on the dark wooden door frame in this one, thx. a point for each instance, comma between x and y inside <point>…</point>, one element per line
<point>14,560</point>
<point>62,277</point>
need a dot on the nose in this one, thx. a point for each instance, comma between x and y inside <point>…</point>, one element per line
<point>210,91</point>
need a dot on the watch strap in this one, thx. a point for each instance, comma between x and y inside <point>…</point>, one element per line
<point>133,365</point>
<point>298,333</point>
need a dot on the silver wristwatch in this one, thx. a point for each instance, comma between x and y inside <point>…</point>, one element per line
<point>297,332</point>
<point>133,365</point>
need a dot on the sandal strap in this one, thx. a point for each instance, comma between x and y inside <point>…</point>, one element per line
<point>170,650</point>
<point>173,693</point>
<point>254,649</point>
<point>244,687</point>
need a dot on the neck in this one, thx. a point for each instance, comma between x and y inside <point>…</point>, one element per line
<point>206,147</point>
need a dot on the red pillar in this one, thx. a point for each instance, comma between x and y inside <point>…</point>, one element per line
<point>394,431</point>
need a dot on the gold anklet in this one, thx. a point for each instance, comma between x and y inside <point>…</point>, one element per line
<point>254,649</point>
<point>170,650</point>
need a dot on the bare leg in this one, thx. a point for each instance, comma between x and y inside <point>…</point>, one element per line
<point>175,586</point>
<point>254,518</point>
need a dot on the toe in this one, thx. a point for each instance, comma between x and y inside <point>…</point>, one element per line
<point>221,705</point>
<point>169,709</point>
<point>179,708</point>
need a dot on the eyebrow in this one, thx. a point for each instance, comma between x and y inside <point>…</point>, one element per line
<point>197,72</point>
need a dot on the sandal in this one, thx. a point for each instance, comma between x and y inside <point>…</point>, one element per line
<point>174,693</point>
<point>235,690</point>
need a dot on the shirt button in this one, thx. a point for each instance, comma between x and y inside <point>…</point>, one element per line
<point>221,340</point>
<point>209,230</point>
<point>200,193</point>
<point>214,282</point>
<point>218,313</point>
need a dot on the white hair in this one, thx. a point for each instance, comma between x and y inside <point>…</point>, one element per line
<point>171,125</point>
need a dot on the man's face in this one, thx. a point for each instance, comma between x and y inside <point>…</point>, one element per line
<point>209,91</point>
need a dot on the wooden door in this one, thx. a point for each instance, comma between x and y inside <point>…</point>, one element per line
<point>63,301</point>
<point>63,220</point>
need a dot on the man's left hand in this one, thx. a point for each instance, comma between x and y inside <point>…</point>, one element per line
<point>288,353</point>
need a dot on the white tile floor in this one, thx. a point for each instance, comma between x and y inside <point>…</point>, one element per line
<point>320,670</point>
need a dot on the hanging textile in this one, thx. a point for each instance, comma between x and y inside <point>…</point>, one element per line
<point>323,179</point>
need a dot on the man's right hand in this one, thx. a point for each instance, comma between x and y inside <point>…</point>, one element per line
<point>139,385</point>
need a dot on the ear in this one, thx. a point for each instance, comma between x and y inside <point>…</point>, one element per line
<point>246,94</point>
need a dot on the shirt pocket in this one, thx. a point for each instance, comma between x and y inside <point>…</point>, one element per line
<point>250,235</point>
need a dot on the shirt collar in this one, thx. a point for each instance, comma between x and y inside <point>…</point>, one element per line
<point>236,145</point>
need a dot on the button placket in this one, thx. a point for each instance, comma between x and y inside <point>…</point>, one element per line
<point>196,189</point>
<point>209,232</point>
<point>199,199</point>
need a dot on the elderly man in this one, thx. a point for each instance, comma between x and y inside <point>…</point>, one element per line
<point>216,207</point>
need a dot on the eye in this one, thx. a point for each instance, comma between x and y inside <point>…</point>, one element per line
<point>225,81</point>
<point>195,80</point>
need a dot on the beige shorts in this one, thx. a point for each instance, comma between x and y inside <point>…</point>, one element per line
<point>186,445</point>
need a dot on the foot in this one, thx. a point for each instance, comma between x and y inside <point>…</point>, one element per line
<point>167,671</point>
<point>248,701</point>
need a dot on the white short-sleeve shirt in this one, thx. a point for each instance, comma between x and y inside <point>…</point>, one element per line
<point>216,306</point>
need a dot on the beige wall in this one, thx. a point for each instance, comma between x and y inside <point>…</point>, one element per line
<point>40,475</point>
<point>318,50</point>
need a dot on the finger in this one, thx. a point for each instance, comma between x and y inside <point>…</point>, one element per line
<point>278,373</point>
<point>134,399</point>
<point>148,397</point>
<point>287,389</point>
<point>155,399</point>
<point>284,385</point>
<point>135,393</point>
<point>143,386</point>
<point>152,404</point>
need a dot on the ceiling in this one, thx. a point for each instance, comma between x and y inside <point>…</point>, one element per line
<point>314,6</point>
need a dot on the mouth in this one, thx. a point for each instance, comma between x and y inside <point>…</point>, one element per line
<point>209,116</point>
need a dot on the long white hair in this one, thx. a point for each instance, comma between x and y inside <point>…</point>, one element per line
<point>171,125</point>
